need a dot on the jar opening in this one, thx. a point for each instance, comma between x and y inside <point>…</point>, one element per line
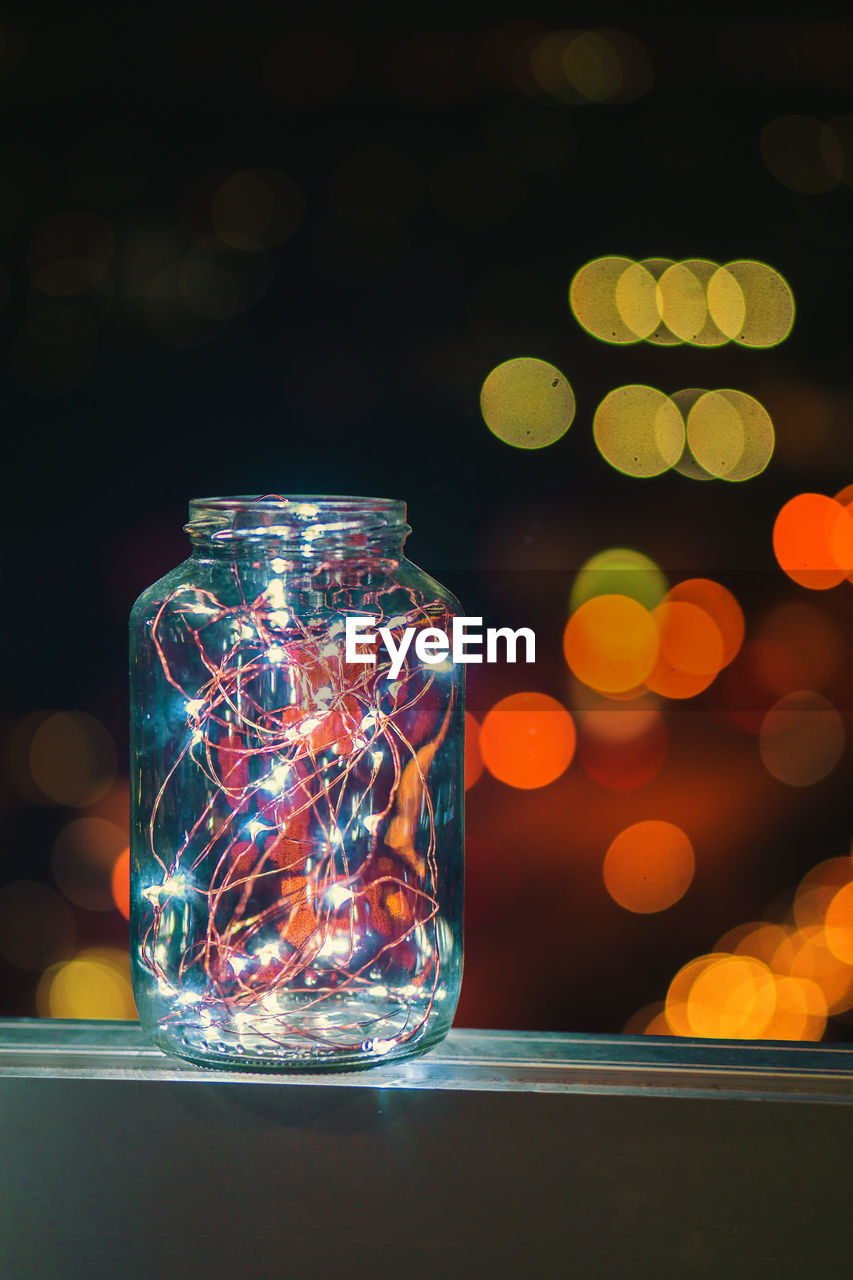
<point>305,522</point>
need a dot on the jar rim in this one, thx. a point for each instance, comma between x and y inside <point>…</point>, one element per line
<point>306,518</point>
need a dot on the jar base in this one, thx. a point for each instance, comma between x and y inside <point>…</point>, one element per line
<point>295,1035</point>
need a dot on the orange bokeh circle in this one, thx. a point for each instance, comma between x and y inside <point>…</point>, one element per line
<point>649,866</point>
<point>720,605</point>
<point>611,643</point>
<point>120,883</point>
<point>690,650</point>
<point>734,999</point>
<point>527,740</point>
<point>813,541</point>
<point>473,754</point>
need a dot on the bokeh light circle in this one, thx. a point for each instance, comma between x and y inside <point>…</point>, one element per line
<point>675,1005</point>
<point>73,758</point>
<point>473,755</point>
<point>527,740</point>
<point>95,984</point>
<point>683,302</point>
<point>800,1012</point>
<point>82,860</point>
<point>120,883</point>
<point>730,435</point>
<point>527,403</point>
<point>763,315</point>
<point>806,954</point>
<point>802,738</point>
<point>839,924</point>
<point>619,571</point>
<point>733,999</point>
<point>719,604</point>
<point>813,541</point>
<point>649,866</point>
<point>817,889</point>
<point>611,643</point>
<point>687,465</point>
<point>690,650</point>
<point>639,431</point>
<point>637,300</point>
<point>593,299</point>
<point>663,335</point>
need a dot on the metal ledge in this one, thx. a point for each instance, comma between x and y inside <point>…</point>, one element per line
<point>500,1154</point>
<point>468,1060</point>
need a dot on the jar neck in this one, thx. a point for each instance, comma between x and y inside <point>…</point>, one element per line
<point>297,528</point>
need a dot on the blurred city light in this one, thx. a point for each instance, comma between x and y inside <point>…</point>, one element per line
<point>72,758</point>
<point>83,857</point>
<point>619,571</point>
<point>682,303</point>
<point>611,643</point>
<point>120,883</point>
<point>95,984</point>
<point>813,541</point>
<point>527,740</point>
<point>817,889</point>
<point>473,755</point>
<point>639,431</point>
<point>733,998</point>
<point>694,301</point>
<point>690,650</point>
<point>752,303</point>
<point>720,605</point>
<point>594,304</point>
<point>527,403</point>
<point>801,738</point>
<point>766,980</point>
<point>730,435</point>
<point>649,866</point>
<point>839,924</point>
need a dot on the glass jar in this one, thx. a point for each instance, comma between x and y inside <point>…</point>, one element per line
<point>296,824</point>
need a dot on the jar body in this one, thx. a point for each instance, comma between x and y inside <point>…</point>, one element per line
<point>296,824</point>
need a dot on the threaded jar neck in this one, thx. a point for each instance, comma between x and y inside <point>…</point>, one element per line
<point>298,526</point>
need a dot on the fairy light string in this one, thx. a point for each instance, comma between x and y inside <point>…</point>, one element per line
<point>307,879</point>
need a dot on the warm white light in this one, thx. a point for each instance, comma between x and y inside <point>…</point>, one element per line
<point>277,779</point>
<point>173,887</point>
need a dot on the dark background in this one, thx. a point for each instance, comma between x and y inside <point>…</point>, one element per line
<point>448,200</point>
